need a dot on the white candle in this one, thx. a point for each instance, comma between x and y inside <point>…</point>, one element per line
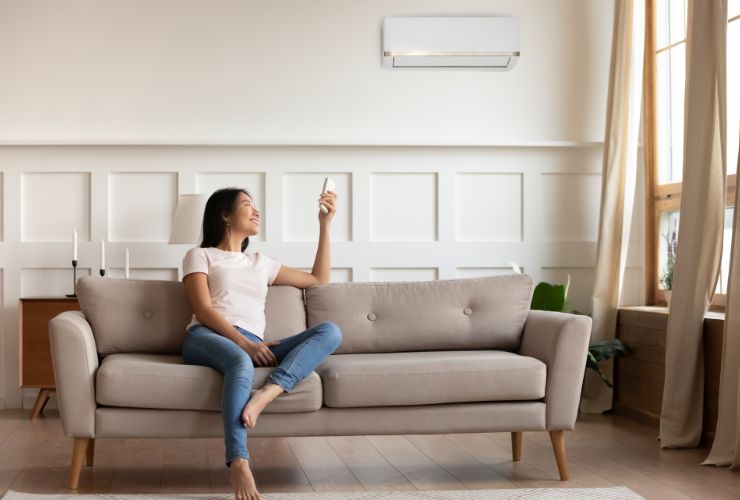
<point>102,254</point>
<point>125,272</point>
<point>74,244</point>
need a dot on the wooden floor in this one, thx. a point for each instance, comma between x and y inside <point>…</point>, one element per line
<point>602,451</point>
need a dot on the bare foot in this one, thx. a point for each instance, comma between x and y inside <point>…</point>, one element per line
<point>243,481</point>
<point>258,402</point>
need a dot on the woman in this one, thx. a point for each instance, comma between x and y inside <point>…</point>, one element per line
<point>227,289</point>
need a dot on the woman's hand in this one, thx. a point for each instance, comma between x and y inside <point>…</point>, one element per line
<point>260,352</point>
<point>329,200</point>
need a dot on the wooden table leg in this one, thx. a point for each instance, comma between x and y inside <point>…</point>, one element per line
<point>44,394</point>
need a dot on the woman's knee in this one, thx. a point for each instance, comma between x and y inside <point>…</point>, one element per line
<point>332,331</point>
<point>239,362</point>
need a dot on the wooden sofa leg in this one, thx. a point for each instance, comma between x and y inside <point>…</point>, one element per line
<point>558,446</point>
<point>78,453</point>
<point>516,446</point>
<point>91,453</point>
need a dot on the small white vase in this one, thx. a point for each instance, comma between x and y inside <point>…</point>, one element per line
<point>668,298</point>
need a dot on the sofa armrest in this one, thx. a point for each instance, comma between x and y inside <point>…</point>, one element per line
<point>75,360</point>
<point>560,341</point>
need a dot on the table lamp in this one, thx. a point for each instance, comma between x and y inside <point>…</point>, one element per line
<point>187,225</point>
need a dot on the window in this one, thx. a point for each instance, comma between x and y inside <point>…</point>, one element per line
<point>664,123</point>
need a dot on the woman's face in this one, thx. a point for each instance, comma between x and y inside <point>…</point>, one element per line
<point>245,218</point>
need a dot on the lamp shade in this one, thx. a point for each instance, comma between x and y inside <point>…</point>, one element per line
<point>186,228</point>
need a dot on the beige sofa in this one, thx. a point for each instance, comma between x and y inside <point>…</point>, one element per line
<point>446,356</point>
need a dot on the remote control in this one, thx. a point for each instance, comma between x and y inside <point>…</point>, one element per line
<point>328,186</point>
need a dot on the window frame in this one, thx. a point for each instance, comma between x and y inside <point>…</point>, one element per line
<point>659,197</point>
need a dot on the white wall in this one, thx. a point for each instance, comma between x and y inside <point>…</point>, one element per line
<point>109,110</point>
<point>290,72</point>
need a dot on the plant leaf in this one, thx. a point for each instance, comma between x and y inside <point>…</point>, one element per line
<point>610,348</point>
<point>592,363</point>
<point>547,297</point>
<point>602,350</point>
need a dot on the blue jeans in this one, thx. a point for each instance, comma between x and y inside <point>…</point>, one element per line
<point>297,356</point>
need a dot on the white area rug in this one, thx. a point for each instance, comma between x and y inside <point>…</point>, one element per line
<point>502,494</point>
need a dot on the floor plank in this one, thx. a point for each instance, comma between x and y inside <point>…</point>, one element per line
<point>421,471</point>
<point>20,446</point>
<point>637,446</point>
<point>370,468</point>
<point>603,450</point>
<point>323,467</point>
<point>464,466</point>
<point>277,466</point>
<point>185,466</point>
<point>523,474</point>
<point>138,466</point>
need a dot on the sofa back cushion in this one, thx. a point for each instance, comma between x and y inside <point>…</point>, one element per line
<point>150,316</point>
<point>469,313</point>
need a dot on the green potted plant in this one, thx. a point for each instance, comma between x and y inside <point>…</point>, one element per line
<point>554,297</point>
<point>666,277</point>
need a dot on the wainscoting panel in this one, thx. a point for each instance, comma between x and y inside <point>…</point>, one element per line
<point>570,206</point>
<point>489,207</point>
<point>53,204</point>
<point>404,213</point>
<point>141,205</point>
<point>301,204</point>
<point>477,272</point>
<point>403,274</point>
<point>145,274</point>
<point>49,282</point>
<point>337,275</point>
<point>403,206</point>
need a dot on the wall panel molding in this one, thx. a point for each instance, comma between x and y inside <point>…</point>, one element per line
<point>430,249</point>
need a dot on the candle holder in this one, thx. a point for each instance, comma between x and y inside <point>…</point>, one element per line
<point>74,280</point>
<point>102,272</point>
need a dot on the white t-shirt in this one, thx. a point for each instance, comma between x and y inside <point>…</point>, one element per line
<point>237,283</point>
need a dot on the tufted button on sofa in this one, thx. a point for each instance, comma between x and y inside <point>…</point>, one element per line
<point>409,363</point>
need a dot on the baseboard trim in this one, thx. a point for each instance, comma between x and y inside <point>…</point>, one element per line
<point>653,421</point>
<point>638,415</point>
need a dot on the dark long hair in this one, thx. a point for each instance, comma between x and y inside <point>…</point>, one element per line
<point>214,226</point>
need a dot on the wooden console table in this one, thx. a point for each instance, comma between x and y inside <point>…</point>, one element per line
<point>34,350</point>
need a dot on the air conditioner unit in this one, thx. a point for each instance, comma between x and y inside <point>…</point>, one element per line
<point>490,43</point>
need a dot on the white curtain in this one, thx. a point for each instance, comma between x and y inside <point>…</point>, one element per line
<point>726,446</point>
<point>701,223</point>
<point>619,176</point>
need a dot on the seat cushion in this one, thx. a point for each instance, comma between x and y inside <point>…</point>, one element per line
<point>419,378</point>
<point>164,382</point>
<point>452,314</point>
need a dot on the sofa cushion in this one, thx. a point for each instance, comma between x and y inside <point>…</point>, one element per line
<point>164,382</point>
<point>470,313</point>
<point>151,315</point>
<point>419,378</point>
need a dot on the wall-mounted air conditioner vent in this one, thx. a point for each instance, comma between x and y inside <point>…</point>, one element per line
<point>450,42</point>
